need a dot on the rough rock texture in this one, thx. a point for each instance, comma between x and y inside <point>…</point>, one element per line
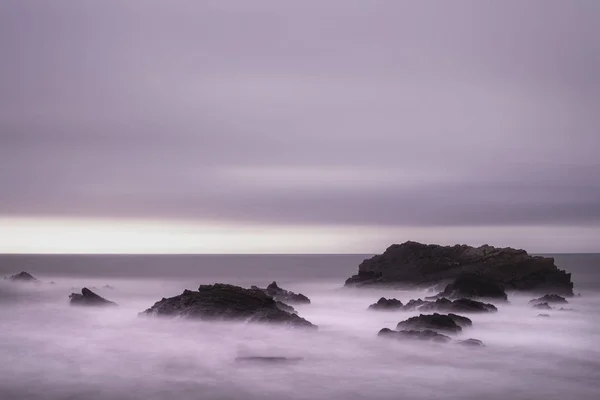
<point>23,277</point>
<point>550,299</point>
<point>542,306</point>
<point>450,323</point>
<point>470,285</point>
<point>471,343</point>
<point>228,302</point>
<point>286,307</point>
<point>445,305</point>
<point>89,298</point>
<point>384,304</point>
<point>413,263</point>
<point>283,295</point>
<point>414,334</point>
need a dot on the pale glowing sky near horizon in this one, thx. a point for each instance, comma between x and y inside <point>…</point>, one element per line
<point>292,127</point>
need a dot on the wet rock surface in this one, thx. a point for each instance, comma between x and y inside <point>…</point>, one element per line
<point>417,264</point>
<point>226,302</point>
<point>550,299</point>
<point>469,285</point>
<point>89,298</point>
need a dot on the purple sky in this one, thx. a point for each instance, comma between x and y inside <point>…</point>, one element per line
<point>315,113</point>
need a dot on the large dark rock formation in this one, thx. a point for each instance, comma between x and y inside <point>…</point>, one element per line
<point>550,299</point>
<point>384,304</point>
<point>445,305</point>
<point>89,298</point>
<point>471,285</point>
<point>412,263</point>
<point>414,334</point>
<point>283,295</point>
<point>23,277</point>
<point>227,302</point>
<point>450,323</point>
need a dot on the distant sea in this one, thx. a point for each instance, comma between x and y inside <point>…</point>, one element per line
<point>52,351</point>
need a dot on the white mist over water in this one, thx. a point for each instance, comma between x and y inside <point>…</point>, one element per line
<point>50,350</point>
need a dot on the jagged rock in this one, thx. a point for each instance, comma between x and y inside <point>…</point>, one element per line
<point>542,306</point>
<point>413,263</point>
<point>471,343</point>
<point>543,315</point>
<point>445,305</point>
<point>450,323</point>
<point>269,359</point>
<point>285,307</point>
<point>226,302</point>
<point>89,298</point>
<point>469,285</point>
<point>426,334</point>
<point>384,304</point>
<point>23,277</point>
<point>283,295</point>
<point>550,299</point>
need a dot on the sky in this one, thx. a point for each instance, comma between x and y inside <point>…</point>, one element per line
<point>314,126</point>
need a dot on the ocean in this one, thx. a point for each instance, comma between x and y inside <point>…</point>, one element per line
<point>50,350</point>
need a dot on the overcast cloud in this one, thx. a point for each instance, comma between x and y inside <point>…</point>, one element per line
<point>396,113</point>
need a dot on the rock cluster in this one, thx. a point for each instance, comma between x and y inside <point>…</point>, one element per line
<point>384,304</point>
<point>89,298</point>
<point>416,264</point>
<point>226,302</point>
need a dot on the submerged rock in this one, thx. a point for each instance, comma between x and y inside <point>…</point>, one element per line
<point>23,277</point>
<point>283,295</point>
<point>226,302</point>
<point>450,323</point>
<point>412,263</point>
<point>542,306</point>
<point>550,299</point>
<point>469,285</point>
<point>414,334</point>
<point>471,343</point>
<point>384,304</point>
<point>89,298</point>
<point>445,305</point>
<point>543,315</point>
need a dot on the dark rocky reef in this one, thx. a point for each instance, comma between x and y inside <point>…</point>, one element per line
<point>414,334</point>
<point>550,299</point>
<point>471,285</point>
<point>89,298</point>
<point>450,323</point>
<point>226,302</point>
<point>416,264</point>
<point>23,277</point>
<point>283,295</point>
<point>384,304</point>
<point>445,305</point>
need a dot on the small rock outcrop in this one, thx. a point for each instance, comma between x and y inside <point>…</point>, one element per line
<point>445,305</point>
<point>550,299</point>
<point>471,343</point>
<point>414,334</point>
<point>450,323</point>
<point>226,302</point>
<point>89,298</point>
<point>23,277</point>
<point>283,295</point>
<point>469,285</point>
<point>542,306</point>
<point>384,304</point>
<point>416,264</point>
